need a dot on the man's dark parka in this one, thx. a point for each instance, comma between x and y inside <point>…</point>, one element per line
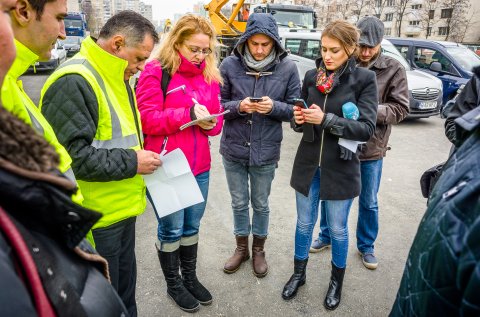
<point>255,139</point>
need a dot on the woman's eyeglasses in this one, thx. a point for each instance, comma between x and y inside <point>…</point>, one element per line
<point>197,51</point>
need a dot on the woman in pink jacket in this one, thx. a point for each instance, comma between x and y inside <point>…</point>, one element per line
<point>192,93</point>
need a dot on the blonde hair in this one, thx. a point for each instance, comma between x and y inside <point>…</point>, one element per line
<point>187,26</point>
<point>344,32</point>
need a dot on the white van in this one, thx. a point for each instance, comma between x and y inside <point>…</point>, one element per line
<point>425,90</point>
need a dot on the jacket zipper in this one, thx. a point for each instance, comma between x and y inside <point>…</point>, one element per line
<point>194,163</point>
<point>249,143</point>
<point>132,105</point>
<point>323,131</point>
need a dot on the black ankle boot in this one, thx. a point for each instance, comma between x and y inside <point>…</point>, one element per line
<point>296,280</point>
<point>334,293</point>
<point>169,262</point>
<point>188,263</point>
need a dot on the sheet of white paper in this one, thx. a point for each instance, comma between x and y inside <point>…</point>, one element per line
<point>172,186</point>
<point>210,117</point>
<point>349,144</point>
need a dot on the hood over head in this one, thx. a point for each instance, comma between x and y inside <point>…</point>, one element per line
<point>260,23</point>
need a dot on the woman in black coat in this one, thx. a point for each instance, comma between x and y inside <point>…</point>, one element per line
<point>336,82</point>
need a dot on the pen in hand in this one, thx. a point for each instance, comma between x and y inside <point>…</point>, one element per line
<point>164,145</point>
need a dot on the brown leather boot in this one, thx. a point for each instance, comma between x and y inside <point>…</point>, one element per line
<point>241,255</point>
<point>260,266</point>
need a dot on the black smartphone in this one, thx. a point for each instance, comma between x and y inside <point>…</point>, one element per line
<point>255,99</point>
<point>300,103</point>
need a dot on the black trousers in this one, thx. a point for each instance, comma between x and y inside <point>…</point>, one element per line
<point>116,243</point>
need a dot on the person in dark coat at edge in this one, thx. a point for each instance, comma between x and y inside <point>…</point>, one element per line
<point>325,171</point>
<point>468,99</point>
<point>392,108</point>
<point>47,268</point>
<point>442,272</point>
<point>252,131</point>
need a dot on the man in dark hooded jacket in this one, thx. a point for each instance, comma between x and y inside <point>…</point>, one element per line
<point>260,85</point>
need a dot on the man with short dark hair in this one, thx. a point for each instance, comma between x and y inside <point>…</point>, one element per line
<point>93,110</point>
<point>392,108</point>
<point>36,27</point>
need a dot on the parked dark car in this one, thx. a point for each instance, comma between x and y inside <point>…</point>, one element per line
<point>58,56</point>
<point>451,62</point>
<point>72,44</point>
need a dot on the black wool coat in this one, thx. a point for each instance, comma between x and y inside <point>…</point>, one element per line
<point>340,179</point>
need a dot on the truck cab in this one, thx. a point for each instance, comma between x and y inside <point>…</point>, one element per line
<point>289,16</point>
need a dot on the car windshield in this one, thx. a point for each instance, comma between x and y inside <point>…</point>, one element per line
<point>390,50</point>
<point>74,24</point>
<point>71,40</point>
<point>465,57</point>
<point>294,19</point>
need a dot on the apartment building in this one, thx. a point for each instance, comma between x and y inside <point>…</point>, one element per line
<point>452,20</point>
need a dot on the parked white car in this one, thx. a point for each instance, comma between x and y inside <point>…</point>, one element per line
<point>58,56</point>
<point>425,90</point>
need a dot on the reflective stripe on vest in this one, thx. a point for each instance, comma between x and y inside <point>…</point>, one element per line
<point>117,141</point>
<point>39,129</point>
<point>35,123</point>
<point>70,175</point>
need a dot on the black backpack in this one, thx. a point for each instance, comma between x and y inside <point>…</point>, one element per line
<point>166,78</point>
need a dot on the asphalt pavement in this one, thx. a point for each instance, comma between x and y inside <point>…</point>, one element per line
<point>416,146</point>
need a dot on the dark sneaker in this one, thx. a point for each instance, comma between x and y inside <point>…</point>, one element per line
<point>369,261</point>
<point>318,245</point>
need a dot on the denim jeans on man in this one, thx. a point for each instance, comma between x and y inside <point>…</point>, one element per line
<point>336,217</point>
<point>116,243</point>
<point>261,177</point>
<point>367,225</point>
<point>185,222</point>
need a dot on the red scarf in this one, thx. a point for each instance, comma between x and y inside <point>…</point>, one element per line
<point>324,82</point>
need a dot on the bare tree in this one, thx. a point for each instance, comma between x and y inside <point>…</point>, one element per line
<point>357,6</point>
<point>86,7</point>
<point>344,9</point>
<point>427,16</point>
<point>457,20</point>
<point>400,12</point>
<point>377,6</point>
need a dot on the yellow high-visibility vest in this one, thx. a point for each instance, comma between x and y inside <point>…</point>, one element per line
<point>117,128</point>
<point>16,101</point>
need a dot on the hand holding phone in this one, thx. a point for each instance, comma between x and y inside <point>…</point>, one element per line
<point>300,103</point>
<point>255,99</point>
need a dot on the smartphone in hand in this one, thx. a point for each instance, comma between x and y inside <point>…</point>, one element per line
<point>255,99</point>
<point>300,103</point>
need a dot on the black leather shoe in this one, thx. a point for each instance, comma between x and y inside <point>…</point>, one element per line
<point>296,280</point>
<point>334,293</point>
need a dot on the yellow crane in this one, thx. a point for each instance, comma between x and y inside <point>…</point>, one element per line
<point>226,26</point>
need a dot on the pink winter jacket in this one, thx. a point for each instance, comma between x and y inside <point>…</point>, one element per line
<point>163,118</point>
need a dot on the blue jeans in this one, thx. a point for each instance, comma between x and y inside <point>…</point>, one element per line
<point>185,222</point>
<point>261,178</point>
<point>367,225</point>
<point>116,243</point>
<point>336,217</point>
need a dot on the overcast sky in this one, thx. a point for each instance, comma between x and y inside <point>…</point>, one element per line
<point>163,9</point>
